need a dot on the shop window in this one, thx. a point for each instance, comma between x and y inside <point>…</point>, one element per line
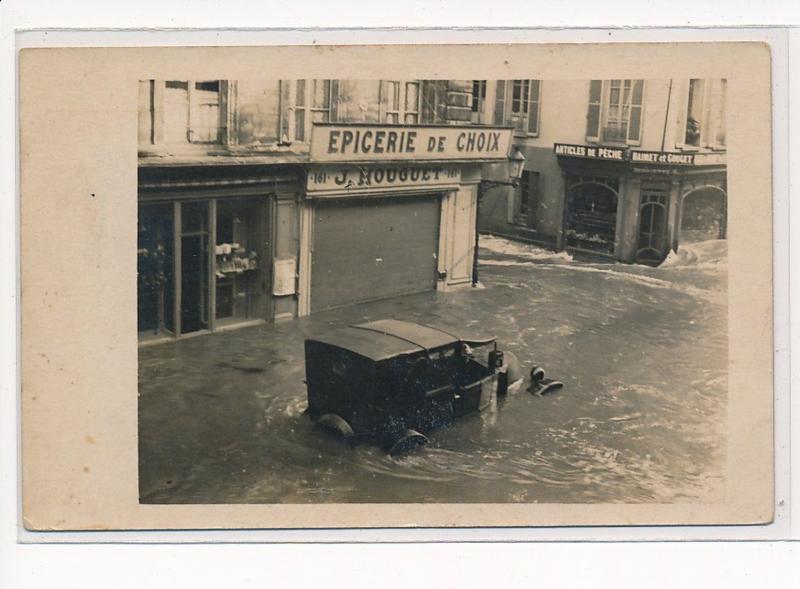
<point>237,259</point>
<point>193,111</point>
<point>706,106</point>
<point>615,111</point>
<point>155,286</point>
<point>401,101</point>
<point>526,199</point>
<point>517,103</point>
<point>591,213</point>
<point>304,102</point>
<point>703,215</point>
<point>478,101</point>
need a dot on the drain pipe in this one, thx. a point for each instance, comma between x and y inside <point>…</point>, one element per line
<point>666,115</point>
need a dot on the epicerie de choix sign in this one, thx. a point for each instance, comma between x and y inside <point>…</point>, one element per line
<point>370,143</point>
<point>375,177</point>
<point>621,154</point>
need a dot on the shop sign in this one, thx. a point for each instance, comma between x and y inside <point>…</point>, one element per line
<point>594,152</point>
<point>665,158</point>
<point>364,178</point>
<point>368,143</point>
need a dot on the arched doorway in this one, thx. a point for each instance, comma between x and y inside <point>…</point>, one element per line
<point>590,220</point>
<point>703,214</point>
<point>652,244</point>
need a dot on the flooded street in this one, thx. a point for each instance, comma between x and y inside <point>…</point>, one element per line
<point>642,353</point>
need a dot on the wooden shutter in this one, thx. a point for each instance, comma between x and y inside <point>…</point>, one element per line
<point>500,103</point>
<point>335,97</point>
<point>223,135</point>
<point>533,107</point>
<point>593,114</point>
<point>635,116</point>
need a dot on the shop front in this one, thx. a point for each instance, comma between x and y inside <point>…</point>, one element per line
<point>390,211</point>
<point>635,205</point>
<point>205,249</point>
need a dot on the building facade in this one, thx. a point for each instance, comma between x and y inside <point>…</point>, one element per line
<point>620,169</point>
<point>262,200</point>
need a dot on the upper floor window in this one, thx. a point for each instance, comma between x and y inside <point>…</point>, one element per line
<point>517,103</point>
<point>615,111</point>
<point>193,111</point>
<point>478,101</point>
<point>401,101</point>
<point>304,102</point>
<point>705,113</point>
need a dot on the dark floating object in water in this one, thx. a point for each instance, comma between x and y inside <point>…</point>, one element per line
<point>541,385</point>
<point>391,382</point>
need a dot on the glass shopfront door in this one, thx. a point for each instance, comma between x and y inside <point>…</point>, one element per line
<point>201,265</point>
<point>194,266</point>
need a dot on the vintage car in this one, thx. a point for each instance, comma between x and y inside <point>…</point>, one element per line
<point>391,382</point>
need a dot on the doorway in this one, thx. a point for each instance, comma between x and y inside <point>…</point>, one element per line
<point>194,266</point>
<point>652,243</point>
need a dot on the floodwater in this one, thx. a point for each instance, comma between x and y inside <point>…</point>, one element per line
<point>642,353</point>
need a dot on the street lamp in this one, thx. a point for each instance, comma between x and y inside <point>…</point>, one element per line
<point>516,165</point>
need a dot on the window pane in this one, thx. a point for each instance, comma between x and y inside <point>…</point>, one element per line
<point>393,94</point>
<point>258,111</point>
<point>525,94</point>
<point>299,124</point>
<point>322,94</point>
<point>204,112</point>
<point>634,127</point>
<point>500,103</point>
<point>176,112</point>
<point>693,110</point>
<point>210,86</point>
<point>434,101</point>
<point>593,120</point>
<point>360,101</point>
<point>593,113</point>
<point>300,96</point>
<point>412,96</point>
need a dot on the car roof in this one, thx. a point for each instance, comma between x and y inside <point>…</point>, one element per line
<point>379,340</point>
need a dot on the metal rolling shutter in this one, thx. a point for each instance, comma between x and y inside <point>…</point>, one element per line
<point>373,249</point>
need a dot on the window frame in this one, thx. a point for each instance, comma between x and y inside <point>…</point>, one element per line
<point>603,106</point>
<point>397,98</point>
<point>478,102</point>
<point>713,115</point>
<point>192,102</point>
<point>505,102</point>
<point>297,108</point>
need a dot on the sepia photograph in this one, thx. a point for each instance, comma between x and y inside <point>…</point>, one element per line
<point>396,286</point>
<point>432,290</point>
